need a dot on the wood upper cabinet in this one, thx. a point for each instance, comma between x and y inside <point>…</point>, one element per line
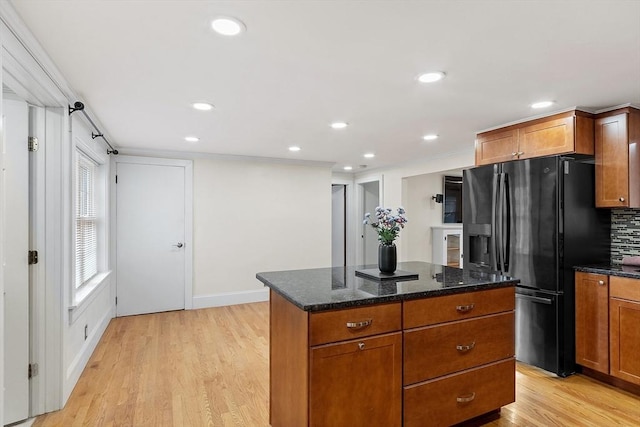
<point>592,321</point>
<point>564,133</point>
<point>624,312</point>
<point>357,383</point>
<point>617,150</point>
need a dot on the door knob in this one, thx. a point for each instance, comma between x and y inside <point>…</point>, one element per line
<point>179,245</point>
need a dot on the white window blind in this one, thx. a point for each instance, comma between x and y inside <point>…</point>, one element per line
<point>86,221</point>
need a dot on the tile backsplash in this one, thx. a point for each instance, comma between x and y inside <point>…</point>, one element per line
<point>625,234</point>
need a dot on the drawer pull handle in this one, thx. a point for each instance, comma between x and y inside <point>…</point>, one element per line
<point>464,308</point>
<point>359,325</point>
<point>465,399</point>
<point>465,348</point>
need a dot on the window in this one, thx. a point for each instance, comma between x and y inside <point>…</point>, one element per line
<point>86,219</point>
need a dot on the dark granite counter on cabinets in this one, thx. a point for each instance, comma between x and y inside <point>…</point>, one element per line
<point>333,288</point>
<point>631,271</point>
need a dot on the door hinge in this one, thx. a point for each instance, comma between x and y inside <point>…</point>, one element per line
<point>33,143</point>
<point>116,300</point>
<point>33,257</point>
<point>33,370</point>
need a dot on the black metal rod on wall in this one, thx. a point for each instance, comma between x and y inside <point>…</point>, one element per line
<point>79,106</point>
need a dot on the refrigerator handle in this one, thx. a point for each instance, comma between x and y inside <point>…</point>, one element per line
<point>500,223</point>
<point>494,225</point>
<point>506,226</point>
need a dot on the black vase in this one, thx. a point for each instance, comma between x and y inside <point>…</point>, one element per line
<point>387,258</point>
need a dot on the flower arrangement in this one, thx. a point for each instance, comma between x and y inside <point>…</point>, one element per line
<point>387,225</point>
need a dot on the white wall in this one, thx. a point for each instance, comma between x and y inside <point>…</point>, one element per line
<point>395,192</point>
<point>252,216</point>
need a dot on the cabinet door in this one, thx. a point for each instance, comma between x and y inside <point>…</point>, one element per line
<point>625,339</point>
<point>496,146</point>
<point>549,137</point>
<point>612,161</point>
<point>357,383</point>
<point>592,321</point>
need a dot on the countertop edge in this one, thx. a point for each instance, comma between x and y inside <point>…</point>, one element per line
<point>386,298</point>
<point>609,270</point>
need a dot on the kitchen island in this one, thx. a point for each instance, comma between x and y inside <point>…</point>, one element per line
<point>350,351</point>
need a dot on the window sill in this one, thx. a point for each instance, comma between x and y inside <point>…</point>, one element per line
<point>86,294</point>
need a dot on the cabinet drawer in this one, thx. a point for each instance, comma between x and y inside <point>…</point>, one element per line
<point>624,288</point>
<point>434,351</point>
<point>331,326</point>
<point>430,311</point>
<point>455,398</point>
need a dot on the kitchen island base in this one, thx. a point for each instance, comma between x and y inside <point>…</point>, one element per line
<point>374,364</point>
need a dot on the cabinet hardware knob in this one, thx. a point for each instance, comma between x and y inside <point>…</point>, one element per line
<point>621,199</point>
<point>600,282</point>
<point>514,154</point>
<point>465,348</point>
<point>520,153</point>
<point>361,345</point>
<point>466,398</point>
<point>464,308</point>
<point>359,325</point>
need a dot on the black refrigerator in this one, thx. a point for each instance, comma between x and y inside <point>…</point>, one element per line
<point>534,220</point>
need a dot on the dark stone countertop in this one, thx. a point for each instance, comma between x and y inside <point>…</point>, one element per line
<point>632,271</point>
<point>321,289</point>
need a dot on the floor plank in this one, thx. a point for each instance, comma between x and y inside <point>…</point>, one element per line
<point>209,367</point>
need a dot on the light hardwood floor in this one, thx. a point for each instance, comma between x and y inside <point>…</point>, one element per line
<point>209,367</point>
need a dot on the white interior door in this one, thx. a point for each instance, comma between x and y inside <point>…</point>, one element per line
<point>370,193</point>
<point>16,264</point>
<point>150,241</point>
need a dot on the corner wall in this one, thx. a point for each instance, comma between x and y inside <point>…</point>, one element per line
<point>252,216</point>
<point>397,193</point>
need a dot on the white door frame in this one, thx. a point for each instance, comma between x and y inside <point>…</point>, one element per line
<point>28,79</point>
<point>359,229</point>
<point>188,215</point>
<point>350,218</point>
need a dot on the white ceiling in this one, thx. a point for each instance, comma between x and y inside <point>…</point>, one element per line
<point>138,65</point>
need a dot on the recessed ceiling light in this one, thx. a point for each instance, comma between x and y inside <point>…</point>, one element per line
<point>369,155</point>
<point>202,106</point>
<point>294,148</point>
<point>347,168</point>
<point>542,104</point>
<point>431,77</point>
<point>430,137</point>
<point>227,26</point>
<point>191,138</point>
<point>339,125</point>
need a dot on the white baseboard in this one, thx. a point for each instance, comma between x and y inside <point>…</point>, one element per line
<point>80,361</point>
<point>230,298</point>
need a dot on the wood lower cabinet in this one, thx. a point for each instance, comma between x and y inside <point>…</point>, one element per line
<point>624,312</point>
<point>458,356</point>
<point>592,321</point>
<point>607,327</point>
<point>617,152</point>
<point>357,383</point>
<point>564,133</point>
<point>345,367</point>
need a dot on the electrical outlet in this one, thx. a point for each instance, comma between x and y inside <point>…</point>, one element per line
<point>86,332</point>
